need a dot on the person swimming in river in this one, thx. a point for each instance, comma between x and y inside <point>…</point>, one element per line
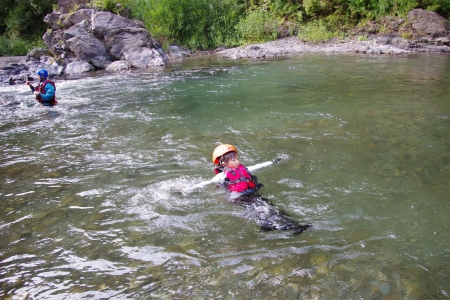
<point>243,188</point>
<point>45,90</point>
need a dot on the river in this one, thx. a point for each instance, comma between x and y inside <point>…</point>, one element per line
<point>91,190</point>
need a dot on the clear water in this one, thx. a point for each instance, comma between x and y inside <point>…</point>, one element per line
<point>90,190</point>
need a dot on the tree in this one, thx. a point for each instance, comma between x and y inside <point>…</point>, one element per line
<point>24,17</point>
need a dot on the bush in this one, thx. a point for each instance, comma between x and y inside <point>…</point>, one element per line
<point>25,18</point>
<point>318,31</point>
<point>16,46</point>
<point>440,6</point>
<point>197,24</point>
<point>257,26</point>
<point>375,8</point>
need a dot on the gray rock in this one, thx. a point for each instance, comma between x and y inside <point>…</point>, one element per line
<point>119,65</point>
<point>176,51</point>
<point>428,23</point>
<point>99,38</point>
<point>143,57</point>
<point>81,15</point>
<point>87,39</point>
<point>78,67</point>
<point>90,49</point>
<point>104,23</point>
<point>121,40</point>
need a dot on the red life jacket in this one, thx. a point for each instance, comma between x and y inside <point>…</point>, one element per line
<point>239,179</point>
<point>41,87</point>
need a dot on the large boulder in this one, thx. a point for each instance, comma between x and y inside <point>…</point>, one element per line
<point>430,31</point>
<point>421,31</point>
<point>86,47</point>
<point>78,67</point>
<point>99,38</point>
<point>143,57</point>
<point>428,23</point>
<point>119,66</point>
<point>86,40</point>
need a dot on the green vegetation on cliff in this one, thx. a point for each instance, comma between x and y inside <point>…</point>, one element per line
<point>22,25</point>
<point>208,24</point>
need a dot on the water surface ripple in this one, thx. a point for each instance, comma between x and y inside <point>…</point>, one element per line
<point>91,206</point>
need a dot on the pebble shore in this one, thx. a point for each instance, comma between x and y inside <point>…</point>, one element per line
<point>292,46</point>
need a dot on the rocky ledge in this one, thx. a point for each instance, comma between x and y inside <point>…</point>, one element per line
<point>88,40</point>
<point>422,31</point>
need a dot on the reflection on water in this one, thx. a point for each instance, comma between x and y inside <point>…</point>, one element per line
<point>91,189</point>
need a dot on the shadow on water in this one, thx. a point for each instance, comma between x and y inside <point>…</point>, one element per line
<point>91,202</point>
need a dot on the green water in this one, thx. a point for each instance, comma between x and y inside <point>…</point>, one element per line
<point>90,190</point>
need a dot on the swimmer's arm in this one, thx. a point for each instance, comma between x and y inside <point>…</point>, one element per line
<point>259,166</point>
<point>264,164</point>
<point>216,179</point>
<point>220,178</point>
<point>31,86</point>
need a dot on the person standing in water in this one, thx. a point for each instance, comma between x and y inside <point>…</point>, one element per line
<point>45,90</point>
<point>243,187</point>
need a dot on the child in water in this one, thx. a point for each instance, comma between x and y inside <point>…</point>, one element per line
<point>243,187</point>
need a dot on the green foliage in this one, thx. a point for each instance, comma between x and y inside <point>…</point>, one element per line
<point>25,17</point>
<point>206,24</point>
<point>257,26</point>
<point>375,8</point>
<point>198,24</point>
<point>288,10</point>
<point>16,46</point>
<point>105,5</point>
<point>318,31</point>
<point>22,25</point>
<point>407,35</point>
<point>5,9</point>
<point>363,38</point>
<point>311,7</point>
<point>440,6</point>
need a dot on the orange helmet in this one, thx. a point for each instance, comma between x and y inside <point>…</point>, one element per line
<point>221,150</point>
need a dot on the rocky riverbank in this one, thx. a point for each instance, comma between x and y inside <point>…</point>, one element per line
<point>292,46</point>
<point>421,32</point>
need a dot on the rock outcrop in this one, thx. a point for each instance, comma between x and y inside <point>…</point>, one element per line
<point>87,40</point>
<point>422,31</point>
<point>100,38</point>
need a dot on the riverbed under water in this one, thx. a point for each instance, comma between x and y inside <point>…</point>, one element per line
<point>91,204</point>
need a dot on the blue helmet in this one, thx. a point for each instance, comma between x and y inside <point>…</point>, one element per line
<point>42,73</point>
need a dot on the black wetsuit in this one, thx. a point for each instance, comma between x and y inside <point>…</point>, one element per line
<point>267,215</point>
<point>259,208</point>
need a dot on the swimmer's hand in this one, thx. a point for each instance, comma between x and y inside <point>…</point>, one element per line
<point>183,191</point>
<point>277,160</point>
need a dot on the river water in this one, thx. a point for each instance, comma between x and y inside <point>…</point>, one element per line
<point>91,206</point>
